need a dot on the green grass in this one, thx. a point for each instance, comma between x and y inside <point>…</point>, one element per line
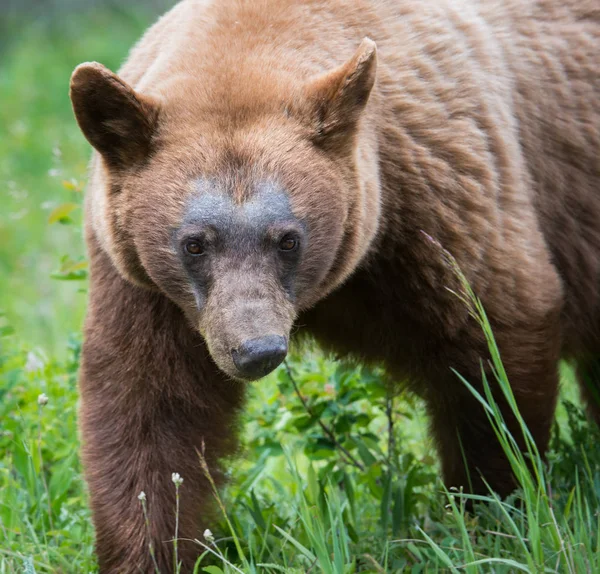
<point>42,153</point>
<point>363,495</point>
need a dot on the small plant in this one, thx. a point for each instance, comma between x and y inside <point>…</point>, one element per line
<point>177,481</point>
<point>142,498</point>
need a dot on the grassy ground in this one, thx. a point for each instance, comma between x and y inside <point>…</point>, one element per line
<point>296,502</point>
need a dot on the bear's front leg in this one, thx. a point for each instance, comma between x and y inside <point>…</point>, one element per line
<point>151,398</point>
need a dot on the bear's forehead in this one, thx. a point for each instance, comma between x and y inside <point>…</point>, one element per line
<point>212,205</point>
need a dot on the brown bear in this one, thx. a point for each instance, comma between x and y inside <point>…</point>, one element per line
<point>266,167</point>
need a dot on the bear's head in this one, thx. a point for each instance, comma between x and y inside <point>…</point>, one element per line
<point>243,202</point>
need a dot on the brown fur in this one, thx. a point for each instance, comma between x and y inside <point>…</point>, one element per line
<point>482,130</point>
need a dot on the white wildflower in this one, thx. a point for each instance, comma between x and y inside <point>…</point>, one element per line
<point>176,478</point>
<point>142,496</point>
<point>42,400</point>
<point>208,536</point>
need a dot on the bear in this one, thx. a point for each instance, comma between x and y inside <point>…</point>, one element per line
<point>264,168</point>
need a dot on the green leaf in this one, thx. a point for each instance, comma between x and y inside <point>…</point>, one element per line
<point>62,212</point>
<point>6,330</point>
<point>399,509</point>
<point>62,477</point>
<point>303,422</point>
<point>313,485</point>
<point>255,512</point>
<point>303,549</point>
<point>349,488</point>
<point>73,185</point>
<point>71,270</point>
<point>212,570</point>
<point>567,511</point>
<point>74,276</point>
<point>320,449</point>
<point>365,453</point>
<point>386,501</point>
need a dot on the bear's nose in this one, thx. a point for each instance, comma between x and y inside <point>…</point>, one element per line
<point>258,357</point>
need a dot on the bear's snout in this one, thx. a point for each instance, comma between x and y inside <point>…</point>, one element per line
<point>256,358</point>
<point>247,326</point>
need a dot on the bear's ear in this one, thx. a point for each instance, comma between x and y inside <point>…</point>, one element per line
<point>338,97</point>
<point>115,119</point>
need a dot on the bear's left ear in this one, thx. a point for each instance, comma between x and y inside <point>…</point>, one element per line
<point>338,97</point>
<point>116,120</point>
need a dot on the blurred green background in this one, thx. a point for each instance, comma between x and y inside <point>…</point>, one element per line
<point>43,156</point>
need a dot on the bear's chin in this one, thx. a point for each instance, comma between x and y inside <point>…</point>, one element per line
<point>232,373</point>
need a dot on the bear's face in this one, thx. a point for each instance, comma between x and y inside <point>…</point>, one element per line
<point>240,245</point>
<point>243,264</point>
<point>242,228</point>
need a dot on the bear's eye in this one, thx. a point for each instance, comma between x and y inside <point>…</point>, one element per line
<point>194,247</point>
<point>288,243</point>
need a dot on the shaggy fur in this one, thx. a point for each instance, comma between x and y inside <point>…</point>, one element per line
<point>476,123</point>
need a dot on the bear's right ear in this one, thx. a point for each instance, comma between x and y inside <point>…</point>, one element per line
<point>116,120</point>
